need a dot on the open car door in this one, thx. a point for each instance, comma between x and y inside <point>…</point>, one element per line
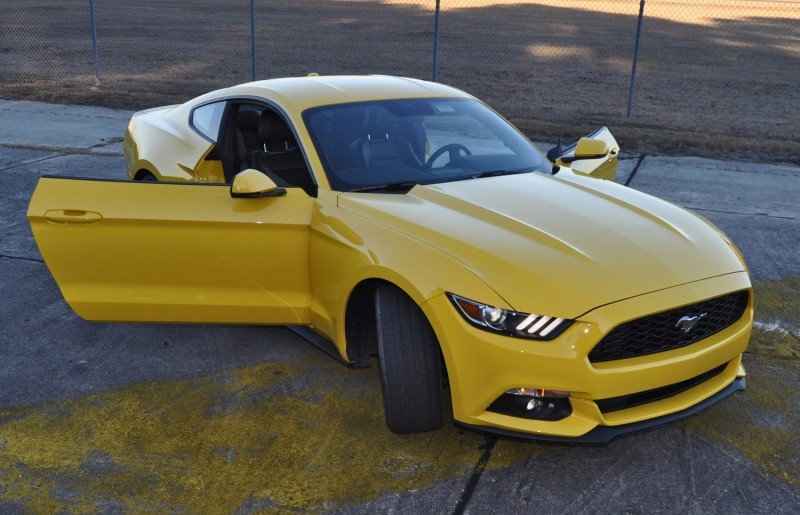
<point>175,252</point>
<point>594,155</point>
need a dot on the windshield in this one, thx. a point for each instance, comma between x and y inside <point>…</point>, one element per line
<point>392,145</point>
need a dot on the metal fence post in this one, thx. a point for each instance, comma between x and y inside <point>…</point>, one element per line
<point>436,42</point>
<point>94,45</point>
<point>635,57</point>
<point>253,37</point>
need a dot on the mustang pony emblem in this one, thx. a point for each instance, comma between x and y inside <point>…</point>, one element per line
<point>687,323</point>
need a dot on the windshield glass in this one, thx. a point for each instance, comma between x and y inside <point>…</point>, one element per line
<point>392,145</point>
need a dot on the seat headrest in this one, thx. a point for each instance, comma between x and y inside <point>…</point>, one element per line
<point>272,128</point>
<point>385,125</point>
<point>387,148</point>
<point>248,120</point>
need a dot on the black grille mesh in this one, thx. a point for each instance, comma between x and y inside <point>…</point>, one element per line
<point>660,332</point>
<point>637,399</point>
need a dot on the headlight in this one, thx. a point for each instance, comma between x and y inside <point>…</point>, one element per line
<point>511,323</point>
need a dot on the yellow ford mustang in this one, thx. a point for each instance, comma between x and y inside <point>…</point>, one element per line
<point>407,219</point>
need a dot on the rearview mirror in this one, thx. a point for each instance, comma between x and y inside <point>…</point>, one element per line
<point>251,183</point>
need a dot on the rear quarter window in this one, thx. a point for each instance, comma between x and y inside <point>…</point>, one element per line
<point>206,119</point>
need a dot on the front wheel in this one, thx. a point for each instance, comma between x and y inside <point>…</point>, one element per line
<point>411,372</point>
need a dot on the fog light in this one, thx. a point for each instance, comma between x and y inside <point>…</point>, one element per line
<point>533,403</point>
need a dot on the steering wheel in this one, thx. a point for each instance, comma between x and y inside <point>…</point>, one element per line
<point>452,148</point>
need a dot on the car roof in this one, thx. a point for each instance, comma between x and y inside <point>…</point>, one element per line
<point>314,91</point>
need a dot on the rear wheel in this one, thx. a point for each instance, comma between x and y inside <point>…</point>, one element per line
<point>147,176</point>
<point>411,372</point>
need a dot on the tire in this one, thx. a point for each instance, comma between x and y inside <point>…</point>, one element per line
<point>148,177</point>
<point>411,371</point>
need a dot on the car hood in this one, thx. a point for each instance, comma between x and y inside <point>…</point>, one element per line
<point>560,245</point>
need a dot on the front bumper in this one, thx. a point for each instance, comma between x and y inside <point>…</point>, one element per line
<point>604,434</point>
<point>482,366</point>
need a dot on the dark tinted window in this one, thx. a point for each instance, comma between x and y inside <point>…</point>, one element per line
<point>419,141</point>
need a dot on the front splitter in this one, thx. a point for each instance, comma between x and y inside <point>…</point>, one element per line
<point>604,434</point>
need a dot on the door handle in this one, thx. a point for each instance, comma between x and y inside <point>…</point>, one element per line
<point>72,216</point>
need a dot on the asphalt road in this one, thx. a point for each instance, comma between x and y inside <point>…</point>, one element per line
<point>127,417</point>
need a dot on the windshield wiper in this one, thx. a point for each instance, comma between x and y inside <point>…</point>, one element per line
<point>496,173</point>
<point>392,186</point>
<point>404,186</point>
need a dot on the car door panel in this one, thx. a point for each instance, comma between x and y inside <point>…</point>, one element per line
<point>174,252</point>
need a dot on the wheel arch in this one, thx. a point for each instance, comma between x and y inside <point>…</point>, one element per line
<point>359,313</point>
<point>357,305</point>
<point>141,172</point>
<point>356,336</point>
<point>360,324</point>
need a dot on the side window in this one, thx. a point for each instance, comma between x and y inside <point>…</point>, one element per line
<point>206,119</point>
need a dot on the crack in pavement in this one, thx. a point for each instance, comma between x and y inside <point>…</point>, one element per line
<point>742,214</point>
<point>31,161</point>
<point>730,166</point>
<point>22,258</point>
<point>67,151</point>
<point>94,150</point>
<point>475,477</point>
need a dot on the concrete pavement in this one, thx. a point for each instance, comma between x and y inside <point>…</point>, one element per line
<point>65,128</point>
<point>127,417</point>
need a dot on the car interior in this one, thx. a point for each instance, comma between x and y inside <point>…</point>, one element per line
<point>366,144</point>
<point>257,137</point>
<point>373,145</point>
<point>386,146</point>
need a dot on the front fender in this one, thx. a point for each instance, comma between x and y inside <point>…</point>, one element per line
<point>348,249</point>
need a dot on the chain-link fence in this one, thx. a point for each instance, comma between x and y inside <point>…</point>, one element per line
<point>724,67</point>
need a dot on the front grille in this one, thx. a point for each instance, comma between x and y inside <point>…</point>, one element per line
<point>637,399</point>
<point>671,329</point>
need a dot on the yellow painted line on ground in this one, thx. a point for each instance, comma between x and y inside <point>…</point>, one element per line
<point>307,435</point>
<point>310,435</point>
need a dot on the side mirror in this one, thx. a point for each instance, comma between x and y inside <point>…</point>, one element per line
<point>588,148</point>
<point>251,183</point>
